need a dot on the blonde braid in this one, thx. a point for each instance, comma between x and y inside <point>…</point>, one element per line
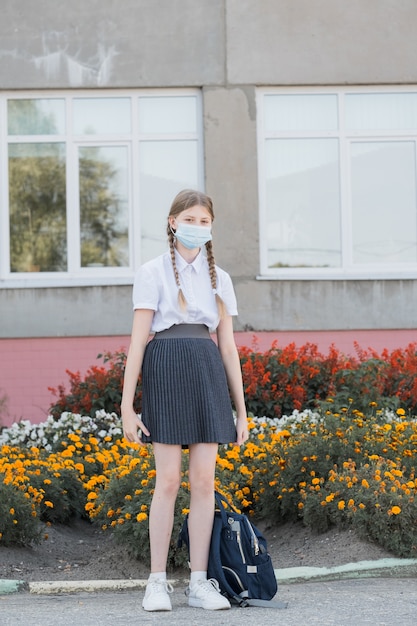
<point>181,298</point>
<point>221,307</point>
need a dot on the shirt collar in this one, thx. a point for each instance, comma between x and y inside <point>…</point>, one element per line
<point>197,264</point>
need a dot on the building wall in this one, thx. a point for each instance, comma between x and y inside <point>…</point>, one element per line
<point>228,47</point>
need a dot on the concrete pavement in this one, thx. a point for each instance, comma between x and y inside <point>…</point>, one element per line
<point>381,593</point>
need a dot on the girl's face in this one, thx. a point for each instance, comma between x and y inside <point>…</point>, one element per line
<point>197,215</point>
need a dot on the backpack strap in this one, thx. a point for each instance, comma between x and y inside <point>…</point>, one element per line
<point>243,601</point>
<point>266,604</point>
<point>219,501</point>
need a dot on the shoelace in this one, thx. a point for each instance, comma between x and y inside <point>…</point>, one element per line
<point>210,585</point>
<point>158,586</point>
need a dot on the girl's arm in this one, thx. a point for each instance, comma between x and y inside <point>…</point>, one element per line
<point>142,321</point>
<point>231,362</point>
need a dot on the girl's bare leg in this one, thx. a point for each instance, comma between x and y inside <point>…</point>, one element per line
<point>200,521</point>
<point>161,515</point>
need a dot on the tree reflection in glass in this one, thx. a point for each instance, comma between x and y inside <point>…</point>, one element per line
<point>103,206</point>
<point>37,204</point>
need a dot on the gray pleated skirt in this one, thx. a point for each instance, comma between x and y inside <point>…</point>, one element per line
<point>185,396</point>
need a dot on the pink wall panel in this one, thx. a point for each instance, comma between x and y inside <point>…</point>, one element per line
<point>29,366</point>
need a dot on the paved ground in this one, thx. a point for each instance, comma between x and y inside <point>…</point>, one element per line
<point>373,601</point>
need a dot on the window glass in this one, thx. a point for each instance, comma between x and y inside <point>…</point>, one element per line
<point>300,112</point>
<point>37,205</point>
<point>36,117</point>
<point>384,202</point>
<point>168,115</point>
<point>88,199</point>
<point>102,116</point>
<point>104,204</point>
<point>381,111</point>
<point>165,168</point>
<point>302,203</point>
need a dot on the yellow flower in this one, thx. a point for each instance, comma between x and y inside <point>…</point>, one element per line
<point>11,511</point>
<point>395,510</point>
<point>141,517</point>
<point>49,504</point>
<point>400,412</point>
<point>365,483</point>
<point>341,505</point>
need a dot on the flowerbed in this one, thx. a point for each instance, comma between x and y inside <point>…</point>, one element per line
<point>276,382</point>
<point>323,467</point>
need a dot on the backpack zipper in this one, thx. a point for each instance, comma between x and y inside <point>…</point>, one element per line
<point>255,541</point>
<point>235,527</point>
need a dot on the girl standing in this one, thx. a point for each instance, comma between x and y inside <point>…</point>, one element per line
<point>186,378</point>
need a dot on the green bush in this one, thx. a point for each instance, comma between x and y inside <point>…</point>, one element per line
<point>19,519</point>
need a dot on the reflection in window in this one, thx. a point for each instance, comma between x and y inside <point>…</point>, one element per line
<point>91,178</point>
<point>36,117</point>
<point>37,202</point>
<point>104,216</point>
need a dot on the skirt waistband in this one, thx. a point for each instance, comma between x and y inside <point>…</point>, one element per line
<point>182,331</point>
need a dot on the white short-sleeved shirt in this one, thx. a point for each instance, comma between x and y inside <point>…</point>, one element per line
<point>155,288</point>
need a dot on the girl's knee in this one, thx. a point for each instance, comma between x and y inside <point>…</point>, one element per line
<point>201,484</point>
<point>168,485</point>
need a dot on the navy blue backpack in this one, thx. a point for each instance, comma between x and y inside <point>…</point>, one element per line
<point>238,558</point>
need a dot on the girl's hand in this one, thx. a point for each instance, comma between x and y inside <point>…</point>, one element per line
<point>242,430</point>
<point>131,425</point>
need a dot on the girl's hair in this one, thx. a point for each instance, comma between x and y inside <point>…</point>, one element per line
<point>186,199</point>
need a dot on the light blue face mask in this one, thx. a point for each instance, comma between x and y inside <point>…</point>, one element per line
<point>192,236</point>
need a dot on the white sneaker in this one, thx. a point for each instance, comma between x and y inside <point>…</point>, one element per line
<point>156,596</point>
<point>205,594</point>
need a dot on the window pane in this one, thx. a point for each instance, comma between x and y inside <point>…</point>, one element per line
<point>104,206</point>
<point>384,202</point>
<point>103,116</point>
<point>168,114</point>
<point>303,203</point>
<point>300,112</point>
<point>36,117</point>
<point>37,201</point>
<point>381,111</point>
<point>165,169</point>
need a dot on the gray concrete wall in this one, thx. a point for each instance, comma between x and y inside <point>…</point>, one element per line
<point>228,47</point>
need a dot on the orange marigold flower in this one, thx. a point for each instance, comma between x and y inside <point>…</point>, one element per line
<point>395,510</point>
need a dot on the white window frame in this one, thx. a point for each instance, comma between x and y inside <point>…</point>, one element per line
<point>79,276</point>
<point>347,270</point>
